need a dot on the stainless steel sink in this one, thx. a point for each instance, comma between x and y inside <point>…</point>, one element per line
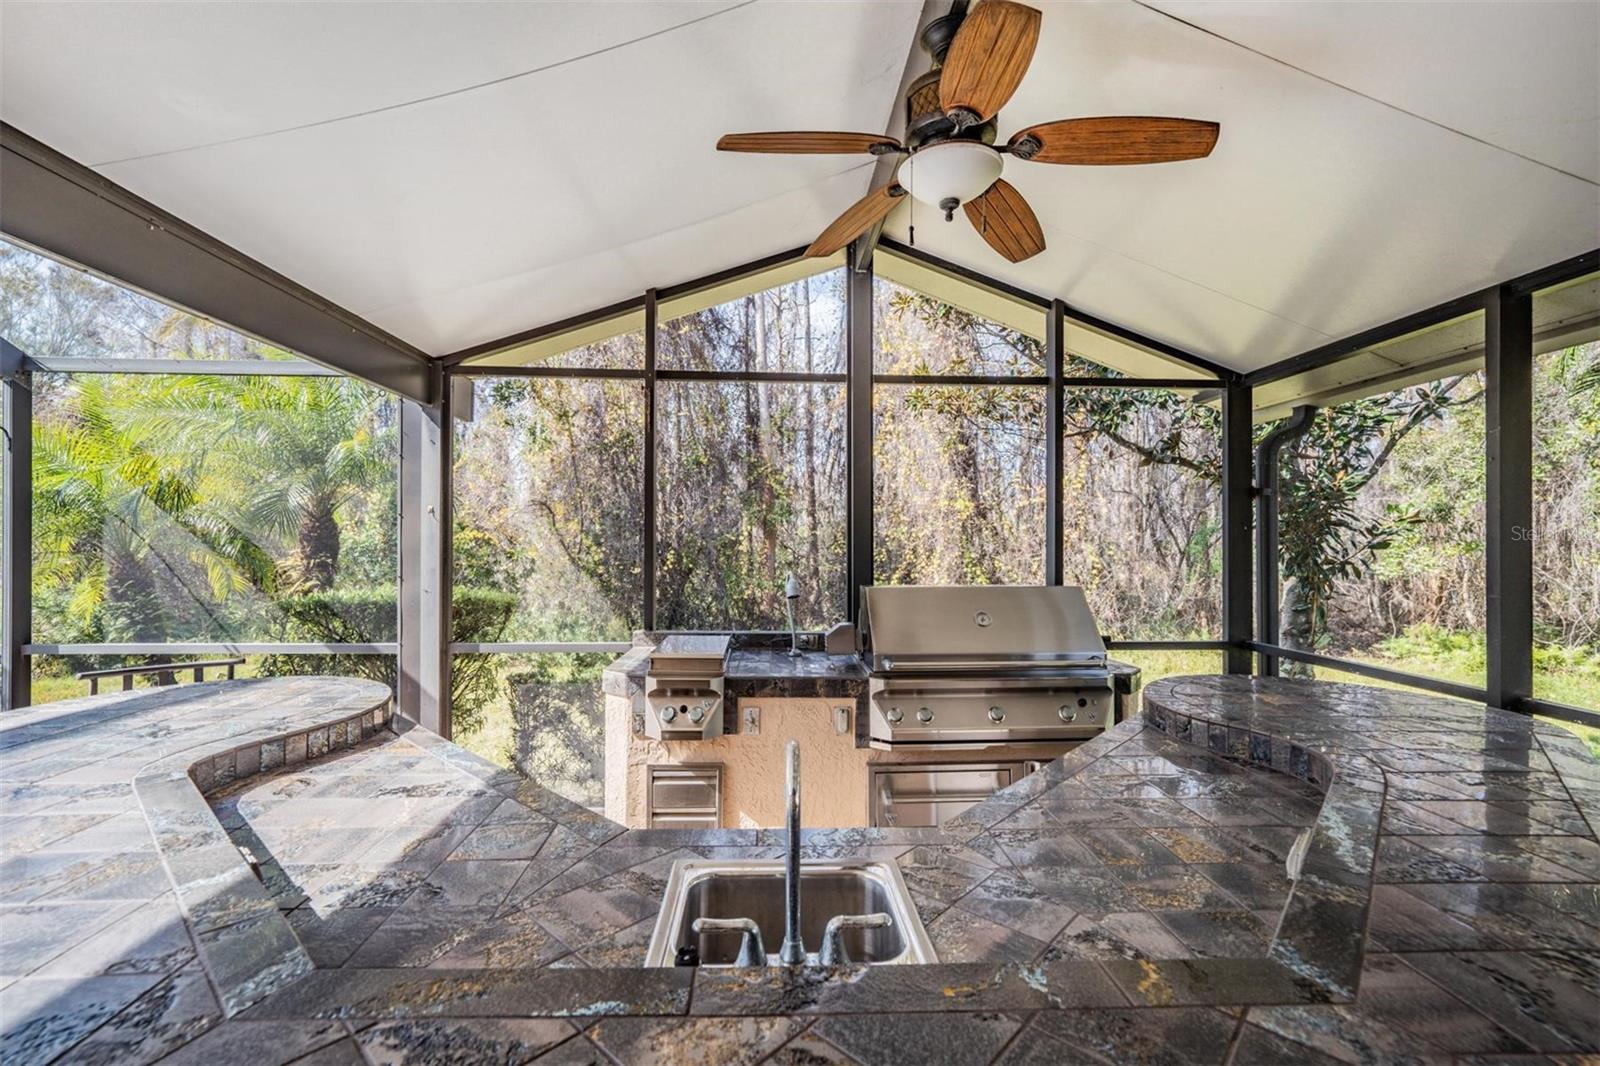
<point>753,888</point>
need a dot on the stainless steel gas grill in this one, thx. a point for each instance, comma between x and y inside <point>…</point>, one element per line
<point>976,667</point>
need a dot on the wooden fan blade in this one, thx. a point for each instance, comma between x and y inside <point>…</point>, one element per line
<point>815,142</point>
<point>856,220</point>
<point>1003,218</point>
<point>1115,140</point>
<point>987,60</point>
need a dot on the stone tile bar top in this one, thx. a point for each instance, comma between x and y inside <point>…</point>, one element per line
<point>119,890</point>
<point>1129,902</point>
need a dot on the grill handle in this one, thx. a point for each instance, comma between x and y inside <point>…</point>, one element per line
<point>903,663</point>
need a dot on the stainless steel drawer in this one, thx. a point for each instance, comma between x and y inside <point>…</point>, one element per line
<point>684,796</point>
<point>910,796</point>
<point>683,821</point>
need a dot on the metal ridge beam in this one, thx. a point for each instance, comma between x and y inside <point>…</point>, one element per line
<point>966,273</point>
<point>60,206</point>
<point>1333,351</point>
<point>718,277</point>
<point>1554,274</point>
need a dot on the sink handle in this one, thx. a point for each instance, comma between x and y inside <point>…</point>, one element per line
<point>752,950</point>
<point>833,953</point>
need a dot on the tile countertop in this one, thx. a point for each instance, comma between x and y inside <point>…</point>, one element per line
<point>1127,902</point>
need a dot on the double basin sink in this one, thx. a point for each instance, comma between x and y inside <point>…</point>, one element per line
<point>754,889</point>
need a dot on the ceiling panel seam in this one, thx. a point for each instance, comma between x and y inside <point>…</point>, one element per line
<point>401,105</point>
<point>1365,96</point>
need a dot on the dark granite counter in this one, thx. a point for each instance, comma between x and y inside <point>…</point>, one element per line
<point>769,672</point>
<point>1126,903</point>
<point>762,672</point>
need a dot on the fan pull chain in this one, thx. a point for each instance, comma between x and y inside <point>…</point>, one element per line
<point>911,226</point>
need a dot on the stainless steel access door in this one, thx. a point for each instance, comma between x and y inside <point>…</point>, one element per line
<point>912,795</point>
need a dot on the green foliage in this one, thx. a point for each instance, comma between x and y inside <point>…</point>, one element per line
<point>307,447</point>
<point>179,507</point>
<point>1425,641</point>
<point>368,616</point>
<point>548,502</point>
<point>961,476</point>
<point>558,724</point>
<point>109,492</point>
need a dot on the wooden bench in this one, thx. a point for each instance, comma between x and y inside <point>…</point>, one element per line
<point>127,673</point>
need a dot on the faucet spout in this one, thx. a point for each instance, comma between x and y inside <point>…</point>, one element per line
<point>793,951</point>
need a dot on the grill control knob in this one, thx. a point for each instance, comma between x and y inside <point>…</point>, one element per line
<point>1066,713</point>
<point>924,716</point>
<point>996,714</point>
<point>697,715</point>
<point>895,714</point>
<point>668,713</point>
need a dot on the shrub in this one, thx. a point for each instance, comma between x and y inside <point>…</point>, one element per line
<point>368,615</point>
<point>558,725</point>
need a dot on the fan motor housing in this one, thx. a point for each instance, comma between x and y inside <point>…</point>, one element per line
<point>926,122</point>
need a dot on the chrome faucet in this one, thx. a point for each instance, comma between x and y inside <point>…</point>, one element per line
<point>793,951</point>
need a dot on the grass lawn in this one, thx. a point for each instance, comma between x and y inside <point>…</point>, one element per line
<point>52,689</point>
<point>493,740</point>
<point>1564,675</point>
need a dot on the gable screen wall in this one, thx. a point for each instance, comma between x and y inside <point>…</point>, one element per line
<point>726,436</point>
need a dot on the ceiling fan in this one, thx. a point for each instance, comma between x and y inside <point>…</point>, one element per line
<point>951,161</point>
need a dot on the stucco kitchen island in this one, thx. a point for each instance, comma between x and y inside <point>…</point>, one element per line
<point>1126,903</point>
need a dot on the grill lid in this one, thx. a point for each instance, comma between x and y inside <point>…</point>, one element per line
<point>922,627</point>
<point>689,655</point>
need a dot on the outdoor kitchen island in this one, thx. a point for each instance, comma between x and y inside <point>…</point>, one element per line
<point>939,697</point>
<point>416,904</point>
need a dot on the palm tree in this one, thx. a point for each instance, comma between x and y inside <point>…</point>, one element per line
<point>291,452</point>
<point>107,491</point>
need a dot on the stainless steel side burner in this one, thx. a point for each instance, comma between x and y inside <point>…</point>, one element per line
<point>683,688</point>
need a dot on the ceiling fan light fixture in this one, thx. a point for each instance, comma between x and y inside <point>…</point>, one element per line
<point>953,170</point>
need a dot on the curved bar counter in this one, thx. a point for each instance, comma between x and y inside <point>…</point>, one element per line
<point>443,908</point>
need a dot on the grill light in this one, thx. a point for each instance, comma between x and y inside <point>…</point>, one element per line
<point>947,175</point>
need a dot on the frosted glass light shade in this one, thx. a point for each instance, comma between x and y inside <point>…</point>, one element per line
<point>958,170</point>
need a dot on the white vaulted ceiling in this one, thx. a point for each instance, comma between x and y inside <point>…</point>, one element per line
<point>556,156</point>
<point>1324,209</point>
<point>459,172</point>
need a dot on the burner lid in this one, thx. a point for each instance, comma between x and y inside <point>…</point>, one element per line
<point>685,654</point>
